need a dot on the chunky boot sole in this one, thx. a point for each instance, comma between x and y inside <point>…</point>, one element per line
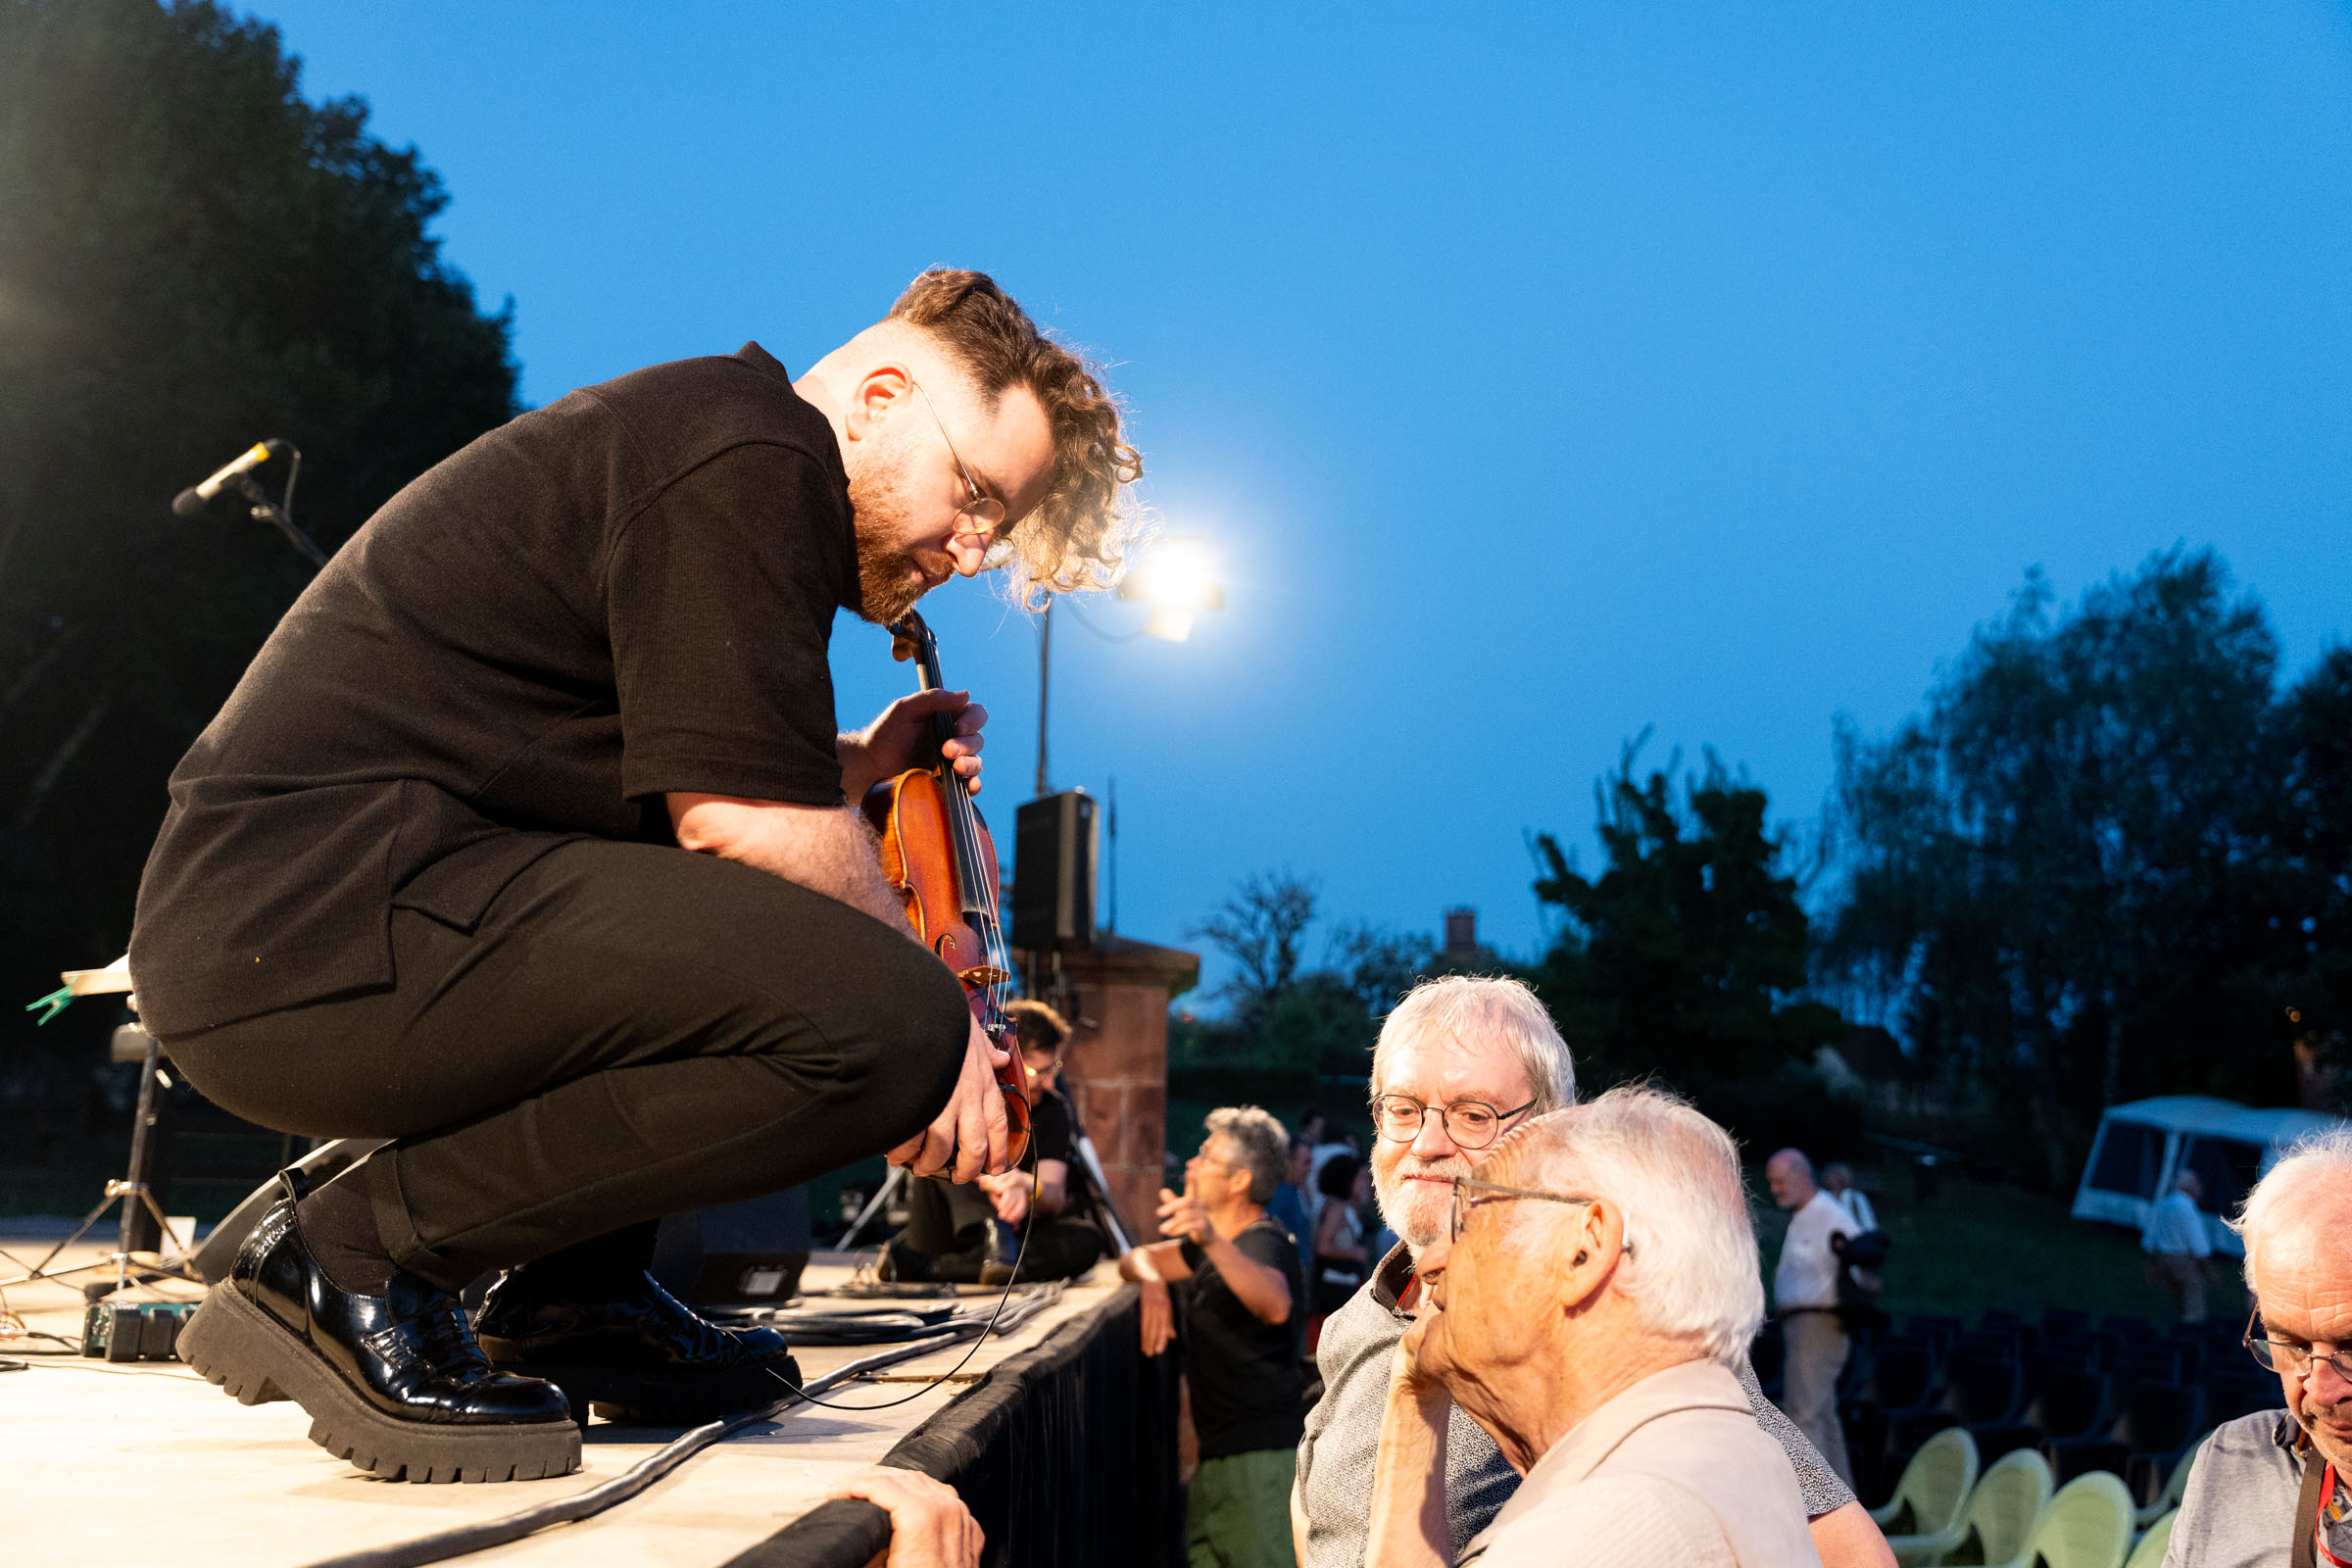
<point>664,1400</point>
<point>255,1358</point>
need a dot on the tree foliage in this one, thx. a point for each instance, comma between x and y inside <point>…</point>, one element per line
<point>1685,957</point>
<point>1291,1032</point>
<point>2082,875</point>
<point>191,257</point>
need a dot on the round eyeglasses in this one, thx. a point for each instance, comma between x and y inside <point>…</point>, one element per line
<point>1470,1123</point>
<point>2276,1356</point>
<point>982,516</point>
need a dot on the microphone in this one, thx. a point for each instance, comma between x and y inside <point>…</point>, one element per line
<point>191,501</point>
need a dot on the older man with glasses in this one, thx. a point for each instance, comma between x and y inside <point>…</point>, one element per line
<point>1588,1310</point>
<point>2272,1488</point>
<point>1459,1063</point>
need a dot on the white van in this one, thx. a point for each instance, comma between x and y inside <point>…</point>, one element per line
<point>2142,1146</point>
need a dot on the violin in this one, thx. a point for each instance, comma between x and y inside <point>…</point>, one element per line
<point>936,854</point>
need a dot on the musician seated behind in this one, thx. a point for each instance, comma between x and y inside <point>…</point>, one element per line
<point>949,1235</point>
<point>1599,1289</point>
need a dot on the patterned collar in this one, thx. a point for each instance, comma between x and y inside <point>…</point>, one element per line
<point>1390,1280</point>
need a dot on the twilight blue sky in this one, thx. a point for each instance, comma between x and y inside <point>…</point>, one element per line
<point>1539,372</point>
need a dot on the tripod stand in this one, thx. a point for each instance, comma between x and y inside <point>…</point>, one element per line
<point>133,1189</point>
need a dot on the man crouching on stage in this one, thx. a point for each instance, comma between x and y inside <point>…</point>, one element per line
<point>527,843</point>
<point>1597,1291</point>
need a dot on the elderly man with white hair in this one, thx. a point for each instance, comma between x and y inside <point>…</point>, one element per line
<point>1597,1290</point>
<point>1460,1062</point>
<point>2270,1488</point>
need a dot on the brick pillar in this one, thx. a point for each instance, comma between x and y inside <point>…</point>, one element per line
<point>1117,1064</point>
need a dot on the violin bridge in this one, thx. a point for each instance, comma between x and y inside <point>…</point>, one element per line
<point>984,974</point>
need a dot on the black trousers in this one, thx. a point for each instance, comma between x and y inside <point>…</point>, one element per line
<point>950,1222</point>
<point>630,1030</point>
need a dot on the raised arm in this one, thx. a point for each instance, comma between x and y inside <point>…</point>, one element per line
<point>1408,1479</point>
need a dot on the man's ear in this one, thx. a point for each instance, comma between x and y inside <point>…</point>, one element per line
<point>1590,1250</point>
<point>880,393</point>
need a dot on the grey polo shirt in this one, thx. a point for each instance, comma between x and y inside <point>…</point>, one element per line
<point>1336,1456</point>
<point>2240,1508</point>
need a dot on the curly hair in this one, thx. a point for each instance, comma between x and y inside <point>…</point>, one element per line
<point>1077,537</point>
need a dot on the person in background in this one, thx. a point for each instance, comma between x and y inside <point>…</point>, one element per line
<point>1805,1291</point>
<point>1065,1240</point>
<point>2177,1247</point>
<point>949,1234</point>
<point>1590,1311</point>
<point>1245,1316</point>
<point>1342,1259</point>
<point>1292,1207</point>
<point>1838,1180</point>
<point>2267,1486</point>
<point>1461,1061</point>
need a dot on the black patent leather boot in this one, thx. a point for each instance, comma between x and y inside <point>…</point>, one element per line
<point>636,1354</point>
<point>393,1383</point>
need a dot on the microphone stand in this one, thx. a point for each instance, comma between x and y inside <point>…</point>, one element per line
<point>281,516</point>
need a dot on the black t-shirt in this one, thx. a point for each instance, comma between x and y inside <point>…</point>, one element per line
<point>1050,1133</point>
<point>1245,1373</point>
<point>1054,1132</point>
<point>625,594</point>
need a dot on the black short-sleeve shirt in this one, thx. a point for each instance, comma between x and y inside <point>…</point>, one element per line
<point>625,594</point>
<point>1245,1372</point>
<point>1049,1135</point>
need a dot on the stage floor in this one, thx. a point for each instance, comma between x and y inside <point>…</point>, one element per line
<point>104,1462</point>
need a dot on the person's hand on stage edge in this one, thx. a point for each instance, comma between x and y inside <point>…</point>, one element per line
<point>1009,1192</point>
<point>970,1130</point>
<point>929,1525</point>
<point>900,739</point>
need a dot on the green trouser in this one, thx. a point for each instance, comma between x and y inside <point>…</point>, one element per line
<point>1239,1510</point>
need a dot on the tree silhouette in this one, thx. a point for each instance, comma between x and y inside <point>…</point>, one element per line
<point>191,257</point>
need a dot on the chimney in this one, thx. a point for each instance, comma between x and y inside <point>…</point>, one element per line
<point>1462,931</point>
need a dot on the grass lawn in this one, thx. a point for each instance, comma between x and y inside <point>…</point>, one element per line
<point>1976,1246</point>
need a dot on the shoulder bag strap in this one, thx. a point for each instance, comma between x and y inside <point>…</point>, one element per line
<point>2307,1511</point>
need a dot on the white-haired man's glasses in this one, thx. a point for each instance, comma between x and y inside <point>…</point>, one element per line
<point>2280,1355</point>
<point>1470,1123</point>
<point>1471,1184</point>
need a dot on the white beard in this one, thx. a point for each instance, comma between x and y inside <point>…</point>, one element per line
<point>1416,1211</point>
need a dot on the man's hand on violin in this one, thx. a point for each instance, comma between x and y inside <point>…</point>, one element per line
<point>900,739</point>
<point>970,1135</point>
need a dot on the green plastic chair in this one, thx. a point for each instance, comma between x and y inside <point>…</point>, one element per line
<point>2174,1489</point>
<point>1930,1496</point>
<point>2088,1525</point>
<point>2150,1553</point>
<point>2001,1511</point>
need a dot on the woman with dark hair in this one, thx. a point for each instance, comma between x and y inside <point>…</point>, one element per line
<point>1341,1255</point>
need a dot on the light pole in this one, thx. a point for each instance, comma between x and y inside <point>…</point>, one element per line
<point>1175,579</point>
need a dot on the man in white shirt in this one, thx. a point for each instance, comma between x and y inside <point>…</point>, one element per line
<point>2177,1245</point>
<point>1804,1292</point>
<point>1598,1287</point>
